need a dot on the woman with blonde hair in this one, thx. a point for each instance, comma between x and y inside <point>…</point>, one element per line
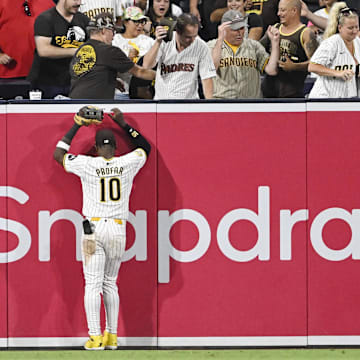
<point>336,60</point>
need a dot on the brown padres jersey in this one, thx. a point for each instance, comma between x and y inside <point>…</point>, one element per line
<point>288,84</point>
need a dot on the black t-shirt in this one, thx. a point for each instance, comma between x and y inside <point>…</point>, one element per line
<point>254,21</point>
<point>267,9</point>
<point>93,70</point>
<point>136,83</point>
<point>50,71</point>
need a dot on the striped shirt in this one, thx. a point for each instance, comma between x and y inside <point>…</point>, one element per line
<point>177,72</point>
<point>106,183</point>
<point>238,75</point>
<point>333,54</point>
<point>91,8</point>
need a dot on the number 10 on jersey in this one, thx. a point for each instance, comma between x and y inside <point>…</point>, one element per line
<point>110,189</point>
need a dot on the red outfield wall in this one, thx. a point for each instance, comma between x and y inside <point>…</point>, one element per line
<point>244,228</point>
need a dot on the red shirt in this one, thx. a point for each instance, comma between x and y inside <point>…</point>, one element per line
<point>17,34</point>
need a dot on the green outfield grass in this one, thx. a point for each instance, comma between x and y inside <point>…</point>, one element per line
<point>253,354</point>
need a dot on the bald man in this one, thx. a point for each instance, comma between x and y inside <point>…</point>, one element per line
<point>297,45</point>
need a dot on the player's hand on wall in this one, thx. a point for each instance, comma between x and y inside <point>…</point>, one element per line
<point>118,117</point>
<point>88,115</point>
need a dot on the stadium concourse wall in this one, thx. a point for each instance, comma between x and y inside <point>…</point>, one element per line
<point>244,227</point>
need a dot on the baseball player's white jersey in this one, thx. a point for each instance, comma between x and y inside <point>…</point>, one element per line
<point>106,186</point>
<point>106,183</point>
<point>141,43</point>
<point>91,8</point>
<point>177,72</point>
<point>333,53</point>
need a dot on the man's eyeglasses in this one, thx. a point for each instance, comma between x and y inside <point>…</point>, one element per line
<point>141,22</point>
<point>26,8</point>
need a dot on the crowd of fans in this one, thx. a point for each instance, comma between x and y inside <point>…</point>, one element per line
<point>182,49</point>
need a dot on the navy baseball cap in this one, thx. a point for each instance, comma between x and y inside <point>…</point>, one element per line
<point>105,137</point>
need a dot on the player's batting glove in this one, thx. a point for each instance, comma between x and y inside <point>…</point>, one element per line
<point>88,115</point>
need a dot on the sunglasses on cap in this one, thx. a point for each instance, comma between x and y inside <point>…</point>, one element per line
<point>347,12</point>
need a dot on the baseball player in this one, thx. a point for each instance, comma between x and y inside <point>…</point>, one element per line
<point>181,60</point>
<point>106,184</point>
<point>240,61</point>
<point>337,59</point>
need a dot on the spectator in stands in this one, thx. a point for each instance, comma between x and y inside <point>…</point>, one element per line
<point>91,8</point>
<point>297,45</point>
<point>267,9</point>
<point>202,10</point>
<point>142,4</point>
<point>180,61</point>
<point>323,12</point>
<point>160,9</point>
<point>255,26</point>
<point>183,4</point>
<point>336,61</point>
<point>239,61</point>
<point>319,21</point>
<point>17,35</point>
<point>96,63</point>
<point>133,43</point>
<point>59,31</point>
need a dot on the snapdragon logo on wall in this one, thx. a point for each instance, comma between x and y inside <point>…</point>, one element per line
<point>166,251</point>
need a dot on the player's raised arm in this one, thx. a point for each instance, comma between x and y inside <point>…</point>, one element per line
<point>85,116</point>
<point>133,134</point>
<point>63,146</point>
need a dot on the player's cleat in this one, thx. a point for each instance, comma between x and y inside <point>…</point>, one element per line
<point>95,343</point>
<point>110,341</point>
